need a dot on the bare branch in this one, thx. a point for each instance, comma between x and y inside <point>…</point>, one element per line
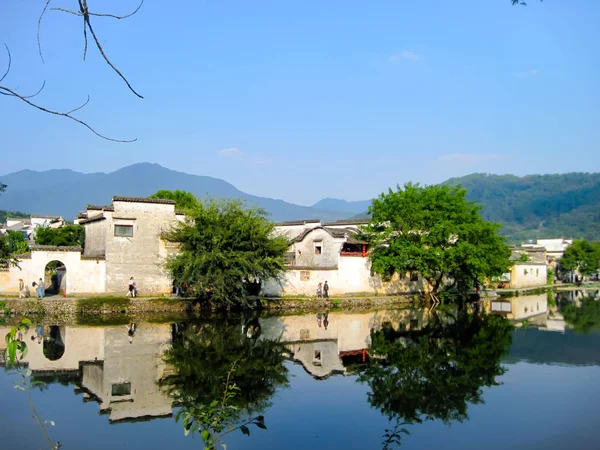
<point>118,17</point>
<point>76,13</point>
<point>84,40</point>
<point>79,107</point>
<point>39,90</point>
<point>68,115</point>
<point>38,29</point>
<point>9,63</point>
<point>87,21</point>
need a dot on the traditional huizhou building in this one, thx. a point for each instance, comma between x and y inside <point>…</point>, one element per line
<point>528,268</point>
<point>122,240</point>
<point>331,252</point>
<point>128,236</point>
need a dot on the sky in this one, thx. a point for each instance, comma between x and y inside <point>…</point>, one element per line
<point>305,100</point>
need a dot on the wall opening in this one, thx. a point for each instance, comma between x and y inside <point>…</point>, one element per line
<point>55,278</point>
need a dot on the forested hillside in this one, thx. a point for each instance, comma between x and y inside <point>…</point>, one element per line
<point>565,205</point>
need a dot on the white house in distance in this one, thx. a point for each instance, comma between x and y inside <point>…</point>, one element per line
<point>332,252</point>
<point>555,247</point>
<point>529,268</point>
<point>29,226</point>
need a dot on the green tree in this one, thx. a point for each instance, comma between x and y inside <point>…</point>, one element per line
<point>16,242</point>
<point>225,252</point>
<point>583,318</point>
<point>435,373</point>
<point>582,256</point>
<point>183,199</point>
<point>2,188</point>
<point>436,232</point>
<point>67,236</point>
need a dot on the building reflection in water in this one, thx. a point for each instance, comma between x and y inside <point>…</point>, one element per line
<point>123,372</point>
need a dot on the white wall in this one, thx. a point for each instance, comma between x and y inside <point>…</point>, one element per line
<point>82,276</point>
<point>526,274</point>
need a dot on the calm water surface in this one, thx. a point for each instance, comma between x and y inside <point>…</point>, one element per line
<point>525,376</point>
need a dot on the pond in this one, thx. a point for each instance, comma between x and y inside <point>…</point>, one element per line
<point>513,373</point>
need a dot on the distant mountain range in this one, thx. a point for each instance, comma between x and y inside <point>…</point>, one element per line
<point>534,206</point>
<point>65,192</point>
<point>566,205</point>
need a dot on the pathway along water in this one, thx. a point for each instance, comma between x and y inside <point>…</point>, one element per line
<point>514,377</point>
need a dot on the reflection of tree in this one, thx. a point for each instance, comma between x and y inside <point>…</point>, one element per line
<point>435,372</point>
<point>583,318</point>
<point>208,358</point>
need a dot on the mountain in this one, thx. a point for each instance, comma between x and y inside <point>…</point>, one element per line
<point>65,192</point>
<point>534,206</point>
<point>336,204</point>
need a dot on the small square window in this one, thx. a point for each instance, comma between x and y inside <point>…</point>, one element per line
<point>124,230</point>
<point>317,249</point>
<point>305,275</point>
<point>121,389</point>
<point>414,276</point>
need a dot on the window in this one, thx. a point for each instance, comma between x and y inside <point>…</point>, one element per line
<point>525,272</point>
<point>124,230</point>
<point>121,389</point>
<point>318,245</point>
<point>537,272</point>
<point>317,249</point>
<point>414,276</point>
<point>305,275</point>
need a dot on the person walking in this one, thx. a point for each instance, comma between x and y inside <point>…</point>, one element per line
<point>319,290</point>
<point>131,288</point>
<point>21,288</point>
<point>326,290</point>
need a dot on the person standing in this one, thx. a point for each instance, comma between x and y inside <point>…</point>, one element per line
<point>41,288</point>
<point>131,288</point>
<point>21,288</point>
<point>326,290</point>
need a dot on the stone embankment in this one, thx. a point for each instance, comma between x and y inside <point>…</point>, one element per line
<point>79,310</point>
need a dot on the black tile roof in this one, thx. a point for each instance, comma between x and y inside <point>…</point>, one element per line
<point>143,200</point>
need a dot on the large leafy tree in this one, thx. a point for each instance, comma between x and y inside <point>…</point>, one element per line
<point>2,187</point>
<point>435,373</point>
<point>582,256</point>
<point>70,235</point>
<point>183,200</point>
<point>437,232</point>
<point>225,252</point>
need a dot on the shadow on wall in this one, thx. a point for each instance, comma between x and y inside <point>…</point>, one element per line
<point>408,283</point>
<point>55,278</point>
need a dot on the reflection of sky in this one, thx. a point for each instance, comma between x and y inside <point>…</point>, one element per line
<point>538,406</point>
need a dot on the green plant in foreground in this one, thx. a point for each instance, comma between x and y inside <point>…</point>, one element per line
<point>16,350</point>
<point>214,420</point>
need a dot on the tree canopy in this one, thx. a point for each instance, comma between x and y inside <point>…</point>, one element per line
<point>582,256</point>
<point>183,199</point>
<point>437,232</point>
<point>225,251</point>
<point>67,236</point>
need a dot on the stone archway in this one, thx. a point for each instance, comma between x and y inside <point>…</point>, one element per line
<point>55,278</point>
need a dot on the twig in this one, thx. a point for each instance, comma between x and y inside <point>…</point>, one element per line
<point>38,30</point>
<point>9,63</point>
<point>87,21</point>
<point>118,17</point>
<point>63,114</point>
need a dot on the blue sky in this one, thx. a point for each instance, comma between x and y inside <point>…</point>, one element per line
<point>304,100</point>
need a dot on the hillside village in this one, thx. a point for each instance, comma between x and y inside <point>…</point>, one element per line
<point>126,239</point>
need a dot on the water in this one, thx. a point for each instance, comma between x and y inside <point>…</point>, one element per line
<point>452,379</point>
